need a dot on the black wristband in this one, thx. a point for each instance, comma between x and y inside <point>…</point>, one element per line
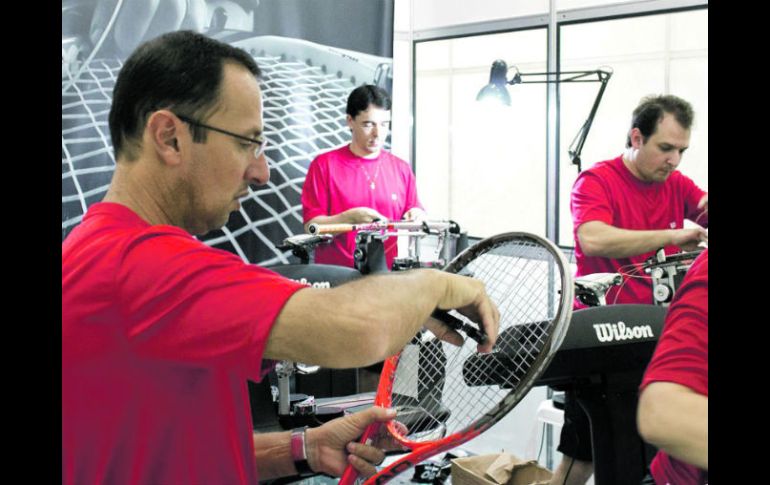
<point>299,451</point>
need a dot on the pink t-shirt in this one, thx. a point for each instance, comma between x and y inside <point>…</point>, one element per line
<point>681,357</point>
<point>610,193</point>
<point>159,336</point>
<point>339,180</point>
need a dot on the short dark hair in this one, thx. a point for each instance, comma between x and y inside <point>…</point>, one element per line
<point>180,71</point>
<point>651,110</point>
<point>364,95</point>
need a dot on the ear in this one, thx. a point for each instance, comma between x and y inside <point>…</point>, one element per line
<point>637,139</point>
<point>350,121</point>
<point>163,131</point>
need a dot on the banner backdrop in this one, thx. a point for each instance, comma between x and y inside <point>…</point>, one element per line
<point>312,54</point>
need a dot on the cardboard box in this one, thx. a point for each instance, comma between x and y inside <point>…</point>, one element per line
<point>498,469</point>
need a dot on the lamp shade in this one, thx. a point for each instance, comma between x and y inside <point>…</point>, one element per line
<point>496,89</point>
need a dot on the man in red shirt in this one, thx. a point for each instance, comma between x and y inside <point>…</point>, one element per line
<point>673,404</point>
<point>160,332</point>
<point>360,182</point>
<point>623,210</point>
<point>626,208</point>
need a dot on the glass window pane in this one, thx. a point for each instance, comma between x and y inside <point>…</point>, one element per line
<point>611,38</point>
<point>433,55</point>
<point>690,76</point>
<point>481,166</point>
<point>469,52</point>
<point>689,30</point>
<point>432,145</point>
<point>498,170</point>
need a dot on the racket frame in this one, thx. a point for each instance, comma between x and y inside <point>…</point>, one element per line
<point>420,451</point>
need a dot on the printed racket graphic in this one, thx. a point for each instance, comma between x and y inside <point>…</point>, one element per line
<point>446,395</point>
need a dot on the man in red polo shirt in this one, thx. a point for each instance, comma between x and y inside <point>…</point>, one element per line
<point>161,332</point>
<point>360,182</point>
<point>623,210</point>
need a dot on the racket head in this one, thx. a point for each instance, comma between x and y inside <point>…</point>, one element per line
<point>446,395</point>
<point>535,247</point>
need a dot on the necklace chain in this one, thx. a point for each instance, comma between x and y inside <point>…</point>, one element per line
<point>371,180</point>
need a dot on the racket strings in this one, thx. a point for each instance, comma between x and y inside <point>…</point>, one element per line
<point>453,386</point>
<point>629,271</point>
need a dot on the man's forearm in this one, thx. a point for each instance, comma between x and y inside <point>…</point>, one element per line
<point>272,452</point>
<point>358,323</point>
<point>599,239</point>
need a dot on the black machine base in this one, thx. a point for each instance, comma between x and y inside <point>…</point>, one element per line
<point>602,360</point>
<point>620,455</point>
<point>319,417</point>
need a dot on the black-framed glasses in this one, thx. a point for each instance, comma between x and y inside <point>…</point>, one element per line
<point>261,144</point>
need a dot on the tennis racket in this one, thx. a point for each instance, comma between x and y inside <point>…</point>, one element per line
<point>445,395</point>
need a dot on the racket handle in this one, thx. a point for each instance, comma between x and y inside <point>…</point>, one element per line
<point>317,229</point>
<point>350,475</point>
<point>455,323</point>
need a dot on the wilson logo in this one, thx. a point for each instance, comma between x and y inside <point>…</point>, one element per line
<point>608,332</point>
<point>314,284</point>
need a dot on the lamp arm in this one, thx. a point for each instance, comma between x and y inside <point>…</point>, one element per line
<point>498,77</point>
<point>582,134</point>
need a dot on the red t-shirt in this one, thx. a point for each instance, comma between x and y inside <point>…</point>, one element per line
<point>159,335</point>
<point>610,193</point>
<point>339,180</point>
<point>681,357</point>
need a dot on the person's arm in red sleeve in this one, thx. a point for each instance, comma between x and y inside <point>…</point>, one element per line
<point>598,237</point>
<point>673,404</point>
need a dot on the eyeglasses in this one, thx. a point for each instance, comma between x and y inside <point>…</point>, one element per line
<point>261,144</point>
<point>369,125</point>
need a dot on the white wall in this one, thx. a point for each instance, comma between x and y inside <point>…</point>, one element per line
<point>478,164</point>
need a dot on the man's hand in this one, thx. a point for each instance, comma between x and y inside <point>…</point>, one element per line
<point>470,298</point>
<point>415,214</point>
<point>380,313</point>
<point>360,215</point>
<point>443,332</point>
<point>332,447</point>
<point>688,239</point>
